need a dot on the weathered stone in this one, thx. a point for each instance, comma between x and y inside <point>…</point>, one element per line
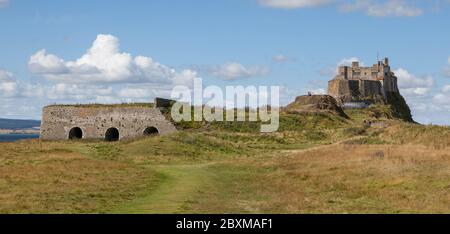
<point>95,121</point>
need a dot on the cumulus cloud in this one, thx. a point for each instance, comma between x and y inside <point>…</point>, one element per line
<point>291,4</point>
<point>408,80</point>
<point>233,71</point>
<point>409,84</point>
<point>104,63</point>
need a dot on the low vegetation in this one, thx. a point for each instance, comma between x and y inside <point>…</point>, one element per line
<point>316,163</point>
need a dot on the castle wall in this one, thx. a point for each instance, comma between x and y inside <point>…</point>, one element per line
<point>370,88</point>
<point>131,122</point>
<point>360,73</point>
<point>390,84</point>
<point>343,90</point>
<point>353,90</point>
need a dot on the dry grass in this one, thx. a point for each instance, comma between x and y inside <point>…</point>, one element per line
<point>54,180</point>
<point>404,168</point>
<point>338,179</point>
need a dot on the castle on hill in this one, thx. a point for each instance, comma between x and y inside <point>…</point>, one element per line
<point>355,83</point>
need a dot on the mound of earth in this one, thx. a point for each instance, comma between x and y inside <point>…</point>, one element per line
<point>315,103</point>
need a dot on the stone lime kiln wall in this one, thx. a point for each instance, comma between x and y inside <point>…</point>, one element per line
<point>109,122</point>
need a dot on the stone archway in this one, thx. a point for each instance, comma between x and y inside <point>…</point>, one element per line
<point>112,134</point>
<point>151,131</point>
<point>75,133</point>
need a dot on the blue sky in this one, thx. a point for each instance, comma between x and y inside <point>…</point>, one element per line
<point>54,51</point>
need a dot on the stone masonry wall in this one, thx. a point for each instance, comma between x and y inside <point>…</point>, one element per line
<point>353,90</point>
<point>131,122</point>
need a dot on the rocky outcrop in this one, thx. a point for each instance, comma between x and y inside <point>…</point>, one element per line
<point>315,103</point>
<point>399,107</point>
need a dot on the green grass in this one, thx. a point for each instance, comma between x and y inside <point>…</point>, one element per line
<point>177,187</point>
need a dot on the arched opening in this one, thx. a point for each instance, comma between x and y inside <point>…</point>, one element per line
<point>75,133</point>
<point>151,131</point>
<point>112,134</point>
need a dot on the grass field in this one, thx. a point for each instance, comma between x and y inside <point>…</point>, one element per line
<point>314,164</point>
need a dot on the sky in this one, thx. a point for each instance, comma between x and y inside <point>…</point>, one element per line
<point>99,51</point>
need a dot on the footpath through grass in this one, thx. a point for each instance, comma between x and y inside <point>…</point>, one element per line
<point>177,187</point>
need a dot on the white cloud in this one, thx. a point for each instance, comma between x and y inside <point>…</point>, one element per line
<point>375,8</point>
<point>291,4</point>
<point>104,63</point>
<point>384,8</point>
<point>281,58</point>
<point>8,89</point>
<point>136,93</point>
<point>349,61</point>
<point>8,84</point>
<point>77,92</point>
<point>44,63</point>
<point>446,89</point>
<point>443,98</point>
<point>410,85</point>
<point>442,101</point>
<point>415,91</point>
<point>233,71</point>
<point>407,80</point>
<point>6,76</point>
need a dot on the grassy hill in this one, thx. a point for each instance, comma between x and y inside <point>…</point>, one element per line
<point>315,163</point>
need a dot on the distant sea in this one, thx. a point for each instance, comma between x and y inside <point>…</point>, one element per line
<point>16,137</point>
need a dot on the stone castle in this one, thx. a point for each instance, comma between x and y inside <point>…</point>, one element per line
<point>355,83</point>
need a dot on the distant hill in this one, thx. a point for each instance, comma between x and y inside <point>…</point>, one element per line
<point>15,124</point>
